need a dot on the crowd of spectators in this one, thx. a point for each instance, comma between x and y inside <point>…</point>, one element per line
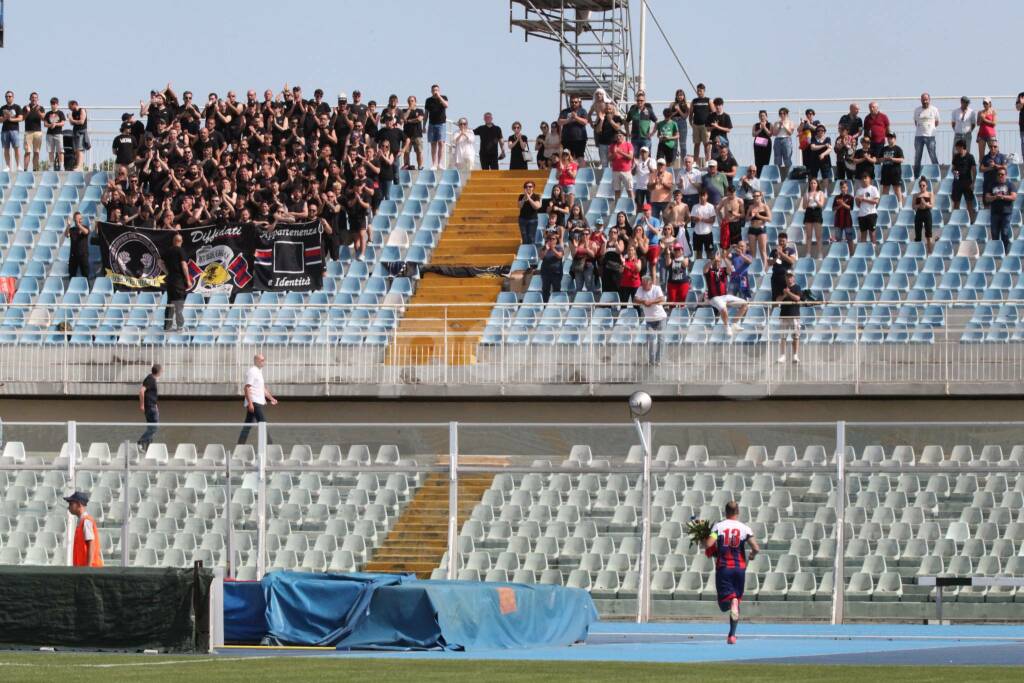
<point>280,158</point>
<point>285,158</point>
<point>39,123</point>
<point>681,194</point>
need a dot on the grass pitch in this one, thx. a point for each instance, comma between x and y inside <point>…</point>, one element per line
<point>84,668</point>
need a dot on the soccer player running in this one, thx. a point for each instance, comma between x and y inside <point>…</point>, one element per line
<point>728,542</point>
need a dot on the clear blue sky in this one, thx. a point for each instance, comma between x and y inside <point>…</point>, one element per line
<point>122,50</point>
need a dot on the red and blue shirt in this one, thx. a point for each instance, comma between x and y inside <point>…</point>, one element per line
<point>731,546</point>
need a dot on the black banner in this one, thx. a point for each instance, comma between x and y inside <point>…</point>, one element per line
<point>289,258</point>
<point>133,257</point>
<point>219,257</point>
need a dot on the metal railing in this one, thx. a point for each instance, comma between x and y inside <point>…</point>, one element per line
<point>824,474</point>
<point>862,347</point>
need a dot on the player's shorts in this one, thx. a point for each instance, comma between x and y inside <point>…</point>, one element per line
<point>729,584</point>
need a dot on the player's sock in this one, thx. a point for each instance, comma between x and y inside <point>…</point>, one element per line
<point>734,616</point>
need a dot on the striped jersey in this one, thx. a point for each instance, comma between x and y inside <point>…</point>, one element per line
<point>731,546</point>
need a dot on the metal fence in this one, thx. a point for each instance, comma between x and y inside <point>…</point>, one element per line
<point>861,347</point>
<point>821,497</point>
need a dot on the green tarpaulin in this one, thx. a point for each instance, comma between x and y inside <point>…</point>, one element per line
<point>109,608</point>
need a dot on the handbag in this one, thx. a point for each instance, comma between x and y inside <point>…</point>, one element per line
<point>761,141</point>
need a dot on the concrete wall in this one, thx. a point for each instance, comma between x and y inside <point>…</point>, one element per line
<point>518,410</point>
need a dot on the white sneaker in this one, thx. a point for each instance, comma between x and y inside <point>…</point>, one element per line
<point>796,358</point>
<point>728,331</point>
<point>782,358</point>
<point>736,327</point>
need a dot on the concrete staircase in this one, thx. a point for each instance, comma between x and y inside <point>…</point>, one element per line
<point>419,539</point>
<point>482,232</point>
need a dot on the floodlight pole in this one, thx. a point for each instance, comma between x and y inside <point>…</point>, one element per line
<point>69,534</point>
<point>839,561</point>
<point>642,75</point>
<point>453,501</point>
<point>643,611</point>
<point>261,507</point>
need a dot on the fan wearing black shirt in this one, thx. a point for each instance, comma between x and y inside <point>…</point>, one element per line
<point>435,107</point>
<point>123,148</point>
<point>178,281</point>
<point>148,404</point>
<point>965,170</point>
<point>892,172</point>
<point>53,120</point>
<point>789,296</point>
<point>700,110</point>
<point>396,140</point>
<point>719,125</point>
<point>33,113</point>
<point>413,129</point>
<point>864,160</point>
<point>12,115</point>
<point>492,143</point>
<point>852,121</point>
<point>78,232</point>
<point>573,121</point>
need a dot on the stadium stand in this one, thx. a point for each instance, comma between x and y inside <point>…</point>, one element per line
<point>886,292</point>
<point>560,524</point>
<point>36,251</point>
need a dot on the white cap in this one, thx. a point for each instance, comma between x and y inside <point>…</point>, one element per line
<point>987,100</point>
<point>645,149</point>
<point>660,160</point>
<point>343,95</point>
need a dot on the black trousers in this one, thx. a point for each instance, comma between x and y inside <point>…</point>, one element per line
<point>255,416</point>
<point>152,419</point>
<point>78,261</point>
<point>489,161</point>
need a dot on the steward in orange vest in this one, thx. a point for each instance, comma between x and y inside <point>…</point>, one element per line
<point>86,548</point>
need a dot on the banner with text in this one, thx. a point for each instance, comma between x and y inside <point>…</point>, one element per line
<point>289,258</point>
<point>219,257</point>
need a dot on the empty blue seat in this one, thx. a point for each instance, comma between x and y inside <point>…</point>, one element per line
<point>416,254</point>
<point>438,207</point>
<point>791,188</point>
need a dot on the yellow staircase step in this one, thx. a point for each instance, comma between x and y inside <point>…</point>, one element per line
<point>482,232</point>
<point>419,538</point>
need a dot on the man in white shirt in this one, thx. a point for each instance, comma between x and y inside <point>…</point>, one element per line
<point>703,216</point>
<point>690,180</point>
<point>642,170</point>
<point>926,120</point>
<point>651,298</point>
<point>867,199</point>
<point>963,121</point>
<point>256,396</point>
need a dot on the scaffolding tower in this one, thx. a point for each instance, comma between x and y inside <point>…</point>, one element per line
<point>594,43</point>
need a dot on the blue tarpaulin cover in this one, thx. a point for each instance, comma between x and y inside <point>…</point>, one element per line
<point>465,615</point>
<point>300,608</point>
<point>388,611</point>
